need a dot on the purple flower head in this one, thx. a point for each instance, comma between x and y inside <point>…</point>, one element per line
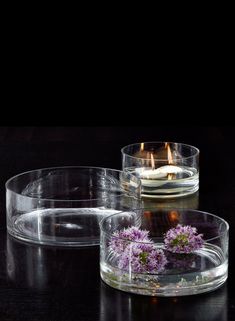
<point>136,252</point>
<point>142,258</point>
<point>183,239</point>
<point>119,240</point>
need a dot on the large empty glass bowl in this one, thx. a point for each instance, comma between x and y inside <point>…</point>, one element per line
<point>64,205</point>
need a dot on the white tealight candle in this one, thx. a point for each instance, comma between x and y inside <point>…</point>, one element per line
<point>160,172</point>
<point>152,174</point>
<point>169,169</point>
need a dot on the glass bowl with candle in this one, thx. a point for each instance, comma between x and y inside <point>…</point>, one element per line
<point>165,253</point>
<point>166,169</point>
<point>62,206</point>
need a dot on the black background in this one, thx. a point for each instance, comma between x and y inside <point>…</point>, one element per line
<point>40,283</point>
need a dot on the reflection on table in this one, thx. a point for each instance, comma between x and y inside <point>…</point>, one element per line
<point>40,267</point>
<point>117,305</point>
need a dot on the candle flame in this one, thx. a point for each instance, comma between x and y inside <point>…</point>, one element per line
<point>169,155</point>
<point>152,161</point>
<point>170,160</point>
<point>141,147</point>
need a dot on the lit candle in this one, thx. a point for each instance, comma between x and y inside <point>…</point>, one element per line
<point>150,177</point>
<point>165,169</point>
<point>160,172</point>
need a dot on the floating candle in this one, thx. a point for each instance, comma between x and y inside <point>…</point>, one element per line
<point>160,172</point>
<point>166,169</point>
<point>152,174</point>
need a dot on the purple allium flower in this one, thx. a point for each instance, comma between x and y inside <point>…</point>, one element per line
<point>136,252</point>
<point>183,239</point>
<point>142,258</point>
<point>118,243</point>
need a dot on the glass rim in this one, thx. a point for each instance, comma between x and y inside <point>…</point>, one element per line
<point>197,151</point>
<point>138,181</point>
<point>101,224</point>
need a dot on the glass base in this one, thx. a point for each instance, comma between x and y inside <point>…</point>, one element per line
<point>203,271</point>
<point>60,226</point>
<point>170,193</point>
<point>181,288</point>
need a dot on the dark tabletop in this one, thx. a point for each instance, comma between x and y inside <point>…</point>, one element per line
<point>48,283</point>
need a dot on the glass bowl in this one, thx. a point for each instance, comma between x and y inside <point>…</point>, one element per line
<point>166,169</point>
<point>64,205</point>
<point>164,253</point>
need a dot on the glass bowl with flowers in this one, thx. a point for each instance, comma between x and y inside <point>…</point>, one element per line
<point>164,252</point>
